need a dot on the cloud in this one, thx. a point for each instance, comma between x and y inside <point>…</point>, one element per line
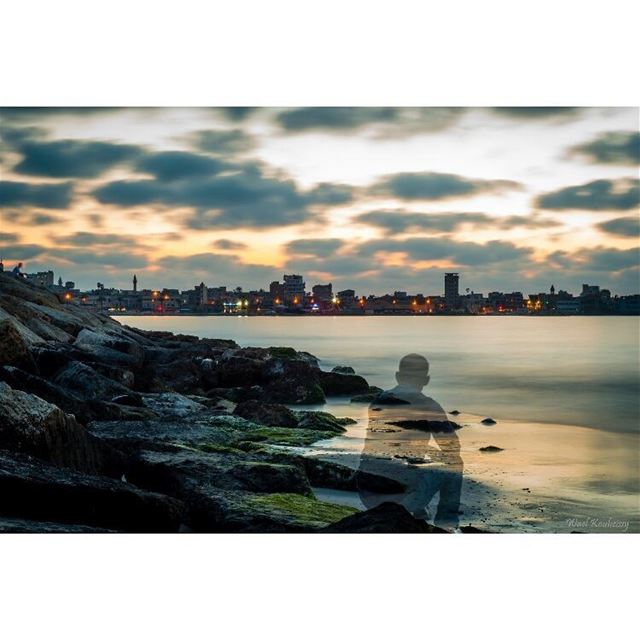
<point>228,245</point>
<point>19,114</point>
<point>624,227</point>
<point>332,194</point>
<point>436,186</point>
<point>321,248</point>
<point>389,121</point>
<point>238,114</point>
<point>223,141</point>
<point>396,222</point>
<point>88,239</point>
<point>239,199</point>
<point>47,196</point>
<point>538,113</point>
<point>459,253</point>
<point>70,158</point>
<point>22,251</point>
<point>177,165</point>
<point>599,195</point>
<point>111,259</point>
<point>596,260</point>
<point>613,147</point>
<point>8,238</point>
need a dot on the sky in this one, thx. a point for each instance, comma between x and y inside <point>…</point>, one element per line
<point>376,199</point>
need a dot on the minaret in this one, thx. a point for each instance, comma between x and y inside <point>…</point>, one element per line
<point>135,283</point>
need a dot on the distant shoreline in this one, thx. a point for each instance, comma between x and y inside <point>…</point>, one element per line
<point>117,314</point>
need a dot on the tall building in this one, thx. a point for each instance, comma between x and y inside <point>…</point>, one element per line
<point>451,293</point>
<point>293,289</point>
<point>135,282</point>
<point>41,278</point>
<point>323,292</point>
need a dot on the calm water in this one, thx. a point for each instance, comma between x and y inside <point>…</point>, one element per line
<point>572,370</point>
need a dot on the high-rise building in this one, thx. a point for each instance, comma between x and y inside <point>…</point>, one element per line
<point>323,292</point>
<point>451,293</point>
<point>293,289</point>
<point>135,282</point>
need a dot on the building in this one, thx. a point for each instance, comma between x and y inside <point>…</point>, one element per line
<point>293,289</point>
<point>451,293</point>
<point>568,306</point>
<point>323,292</point>
<point>276,291</point>
<point>41,278</point>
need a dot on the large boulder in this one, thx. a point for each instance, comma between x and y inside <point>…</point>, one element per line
<point>110,347</point>
<point>273,415</point>
<point>342,384</point>
<point>13,347</point>
<point>322,421</point>
<point>86,383</point>
<point>33,490</point>
<point>387,517</point>
<point>31,425</point>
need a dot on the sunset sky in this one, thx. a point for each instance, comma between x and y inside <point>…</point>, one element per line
<point>375,199</point>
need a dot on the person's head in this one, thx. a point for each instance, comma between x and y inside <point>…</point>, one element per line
<point>413,371</point>
<point>19,265</point>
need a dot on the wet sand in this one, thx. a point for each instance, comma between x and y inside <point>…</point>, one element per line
<point>547,478</point>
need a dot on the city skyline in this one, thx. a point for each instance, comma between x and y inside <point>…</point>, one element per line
<point>370,198</point>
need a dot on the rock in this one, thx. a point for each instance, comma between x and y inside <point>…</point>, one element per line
<point>370,396</point>
<point>455,412</point>
<point>387,398</point>
<point>292,382</point>
<point>14,350</point>
<point>272,415</point>
<point>491,448</point>
<point>86,383</point>
<point>33,490</point>
<point>239,511</point>
<point>129,400</point>
<point>172,405</point>
<point>340,384</point>
<point>488,421</point>
<point>20,525</point>
<point>322,421</point>
<point>32,425</point>
<point>427,426</point>
<point>412,459</point>
<point>110,346</point>
<point>343,370</point>
<point>387,517</point>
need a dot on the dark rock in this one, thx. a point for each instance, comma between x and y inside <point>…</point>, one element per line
<point>455,412</point>
<point>322,421</point>
<point>491,448</point>
<point>388,517</point>
<point>129,400</point>
<point>387,398</point>
<point>343,370</point>
<point>488,421</point>
<point>272,415</point>
<point>370,396</point>
<point>32,425</point>
<point>428,426</point>
<point>339,384</point>
<point>14,350</point>
<point>20,525</point>
<point>36,491</point>
<point>292,382</point>
<point>86,383</point>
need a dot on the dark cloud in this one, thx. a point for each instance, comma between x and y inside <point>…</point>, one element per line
<point>613,147</point>
<point>223,141</point>
<point>331,194</point>
<point>244,198</point>
<point>538,113</point>
<point>390,121</point>
<point>595,260</point>
<point>599,195</point>
<point>238,114</point>
<point>624,227</point>
<point>19,114</point>
<point>228,245</point>
<point>460,253</point>
<point>71,158</point>
<point>177,165</point>
<point>436,186</point>
<point>320,248</point>
<point>43,219</point>
<point>396,222</point>
<point>110,259</point>
<point>47,196</point>
<point>8,238</point>
<point>87,239</point>
<point>22,251</point>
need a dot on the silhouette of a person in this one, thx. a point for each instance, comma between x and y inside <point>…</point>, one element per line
<point>16,271</point>
<point>398,444</point>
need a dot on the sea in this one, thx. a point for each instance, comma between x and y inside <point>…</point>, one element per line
<point>572,370</point>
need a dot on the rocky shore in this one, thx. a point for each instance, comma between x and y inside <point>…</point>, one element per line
<point>108,428</point>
